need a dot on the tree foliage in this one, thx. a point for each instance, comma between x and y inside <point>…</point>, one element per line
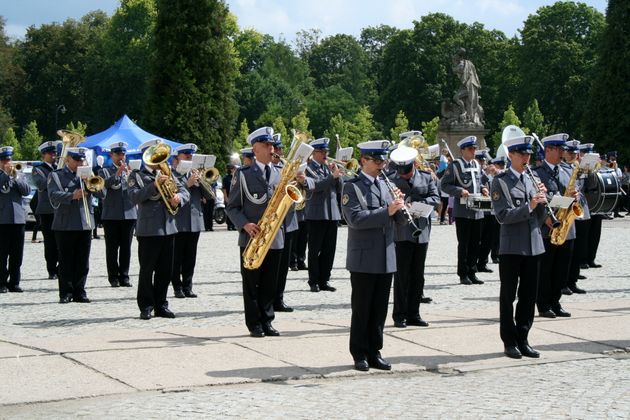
<point>31,139</point>
<point>10,139</point>
<point>430,130</point>
<point>509,118</point>
<point>534,120</point>
<point>401,124</point>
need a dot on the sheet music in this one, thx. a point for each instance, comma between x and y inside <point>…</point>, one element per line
<point>420,210</point>
<point>84,171</point>
<point>345,153</point>
<point>560,201</point>
<point>589,161</point>
<point>203,161</point>
<point>303,152</point>
<point>135,164</point>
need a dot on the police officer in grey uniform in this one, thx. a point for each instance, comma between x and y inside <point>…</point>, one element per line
<point>322,214</point>
<point>411,251</point>
<point>252,188</point>
<point>44,210</point>
<point>489,223</point>
<point>461,178</point>
<point>519,208</point>
<point>155,231</point>
<point>555,174</point>
<point>371,212</point>
<point>118,217</point>
<point>73,231</point>
<point>189,222</point>
<point>12,220</point>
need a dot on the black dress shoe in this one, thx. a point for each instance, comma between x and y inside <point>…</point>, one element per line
<point>576,289</point>
<point>547,314</point>
<point>512,352</point>
<point>15,289</point>
<point>302,266</point>
<point>425,299</point>
<point>566,291</point>
<point>64,299</point>
<point>190,294</point>
<point>361,365</point>
<point>125,283</point>
<point>270,330</point>
<point>81,299</point>
<point>145,314</point>
<point>581,277</point>
<point>400,324</point>
<point>484,269</point>
<point>52,276</point>
<point>257,332</point>
<point>114,283</point>
<point>314,288</point>
<point>584,266</point>
<point>417,322</point>
<point>179,294</point>
<point>474,280</point>
<point>164,313</point>
<point>593,264</point>
<point>327,287</point>
<point>4,289</point>
<point>379,363</point>
<point>282,307</point>
<point>294,268</point>
<point>527,351</point>
<point>465,280</point>
<point>561,313</point>
<point>495,261</point>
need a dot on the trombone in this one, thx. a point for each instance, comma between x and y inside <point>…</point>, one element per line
<point>93,183</point>
<point>206,177</point>
<point>347,167</point>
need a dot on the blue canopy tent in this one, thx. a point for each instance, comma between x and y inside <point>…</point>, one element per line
<point>123,130</point>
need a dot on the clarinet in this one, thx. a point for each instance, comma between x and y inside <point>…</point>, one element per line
<point>416,230</point>
<point>554,220</point>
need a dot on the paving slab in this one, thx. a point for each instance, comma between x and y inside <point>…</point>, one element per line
<point>611,330</point>
<point>8,350</point>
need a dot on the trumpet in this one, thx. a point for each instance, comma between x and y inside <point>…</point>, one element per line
<point>15,170</point>
<point>347,167</point>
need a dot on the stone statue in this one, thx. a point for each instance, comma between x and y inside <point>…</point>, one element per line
<point>466,99</point>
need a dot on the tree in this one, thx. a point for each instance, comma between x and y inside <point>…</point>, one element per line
<point>10,74</point>
<point>191,94</point>
<point>338,127</point>
<point>607,120</point>
<point>323,104</point>
<point>279,127</point>
<point>362,128</point>
<point>534,120</point>
<point>509,118</point>
<point>31,139</point>
<point>79,127</point>
<point>305,41</point>
<point>430,130</point>
<point>240,142</point>
<point>301,122</point>
<point>10,139</point>
<point>401,124</point>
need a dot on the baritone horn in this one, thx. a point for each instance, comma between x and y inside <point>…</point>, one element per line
<point>156,158</point>
<point>69,139</point>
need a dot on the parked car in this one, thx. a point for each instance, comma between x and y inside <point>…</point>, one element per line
<point>27,173</point>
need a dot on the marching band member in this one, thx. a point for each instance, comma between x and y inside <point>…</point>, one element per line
<point>595,229</point>
<point>155,231</point>
<point>411,252</point>
<point>489,223</point>
<point>517,206</point>
<point>118,217</point>
<point>44,210</point>
<point>252,187</point>
<point>462,178</point>
<point>322,214</point>
<point>371,211</point>
<point>226,185</point>
<point>12,220</point>
<point>72,228</point>
<point>555,174</point>
<point>189,222</point>
<point>248,156</point>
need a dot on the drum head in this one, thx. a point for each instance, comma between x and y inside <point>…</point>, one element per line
<point>601,190</point>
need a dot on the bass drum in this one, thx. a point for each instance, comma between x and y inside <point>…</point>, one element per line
<point>602,192</point>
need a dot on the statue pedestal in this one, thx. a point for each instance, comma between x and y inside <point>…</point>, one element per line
<point>455,133</point>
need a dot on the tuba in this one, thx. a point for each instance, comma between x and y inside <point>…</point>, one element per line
<point>156,158</point>
<point>568,215</point>
<point>420,144</point>
<point>69,139</point>
<point>284,196</point>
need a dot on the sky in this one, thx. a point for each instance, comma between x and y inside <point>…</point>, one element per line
<point>283,18</point>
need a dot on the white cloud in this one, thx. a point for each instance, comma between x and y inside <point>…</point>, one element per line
<point>15,31</point>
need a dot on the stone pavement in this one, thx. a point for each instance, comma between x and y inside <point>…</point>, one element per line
<point>100,360</point>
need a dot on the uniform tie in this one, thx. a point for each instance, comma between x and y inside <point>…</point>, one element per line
<point>556,171</point>
<point>267,172</point>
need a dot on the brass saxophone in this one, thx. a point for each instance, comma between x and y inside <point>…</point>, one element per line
<point>285,194</point>
<point>568,215</point>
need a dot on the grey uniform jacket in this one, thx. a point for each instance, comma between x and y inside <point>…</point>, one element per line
<point>40,178</point>
<point>579,185</point>
<point>153,217</point>
<point>371,247</point>
<point>456,179</point>
<point>189,218</point>
<point>322,193</point>
<point>117,205</point>
<point>69,213</point>
<point>520,232</point>
<point>420,188</point>
<point>554,186</point>
<point>248,200</point>
<point>11,192</point>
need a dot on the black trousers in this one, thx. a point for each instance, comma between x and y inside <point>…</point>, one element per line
<point>298,255</point>
<point>118,237</point>
<point>519,276</point>
<point>580,248</point>
<point>554,272</point>
<point>259,289</point>
<point>322,242</point>
<point>184,260</point>
<point>50,243</point>
<point>74,261</point>
<point>11,252</point>
<point>409,279</point>
<point>594,235</point>
<point>468,232</point>
<point>283,266</point>
<point>489,226</point>
<point>370,296</point>
<point>443,209</point>
<point>155,254</point>
<point>208,214</point>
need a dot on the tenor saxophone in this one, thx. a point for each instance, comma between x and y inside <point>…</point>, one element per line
<point>568,215</point>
